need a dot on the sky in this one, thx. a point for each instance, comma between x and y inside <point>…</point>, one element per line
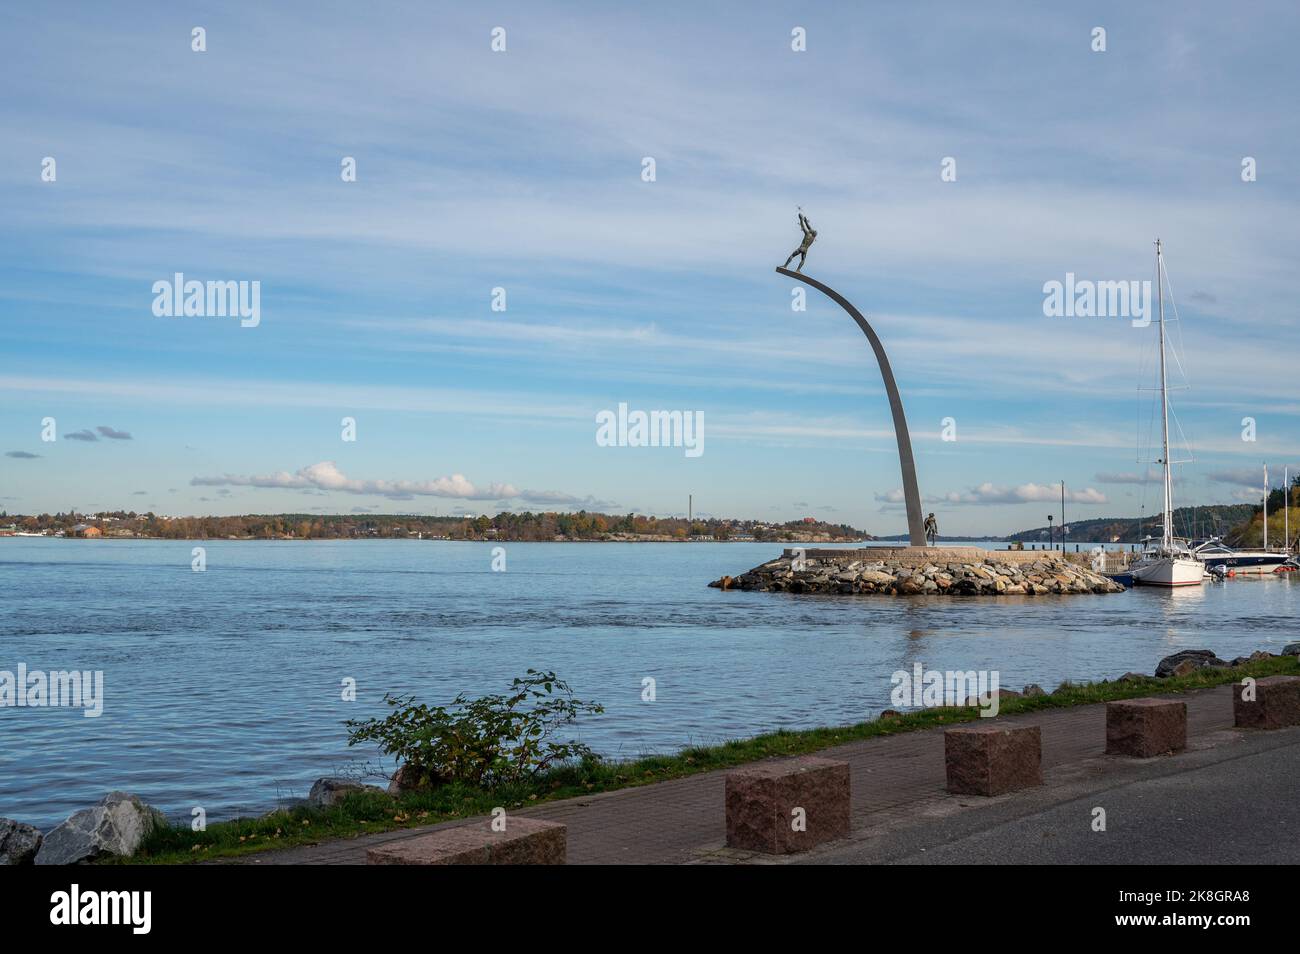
<point>524,170</point>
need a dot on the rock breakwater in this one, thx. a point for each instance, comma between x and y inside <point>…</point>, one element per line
<point>908,571</point>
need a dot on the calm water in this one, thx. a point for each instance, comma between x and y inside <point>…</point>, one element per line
<point>222,688</point>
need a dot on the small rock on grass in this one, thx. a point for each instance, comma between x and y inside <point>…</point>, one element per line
<point>330,791</point>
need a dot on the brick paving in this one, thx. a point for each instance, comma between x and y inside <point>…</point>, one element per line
<point>895,779</point>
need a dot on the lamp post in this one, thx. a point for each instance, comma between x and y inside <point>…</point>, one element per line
<point>1051,537</point>
<point>1064,528</point>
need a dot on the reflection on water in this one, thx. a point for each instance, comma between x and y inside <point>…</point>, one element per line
<point>224,687</point>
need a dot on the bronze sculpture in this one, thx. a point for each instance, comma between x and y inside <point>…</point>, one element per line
<point>911,493</point>
<point>809,236</point>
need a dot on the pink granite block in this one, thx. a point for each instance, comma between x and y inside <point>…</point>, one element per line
<point>525,841</point>
<point>986,758</point>
<point>1146,727</point>
<point>1275,706</point>
<point>787,805</point>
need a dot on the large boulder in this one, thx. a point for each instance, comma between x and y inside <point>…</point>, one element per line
<point>116,826</point>
<point>1199,659</point>
<point>1291,649</point>
<point>18,842</point>
<point>327,792</point>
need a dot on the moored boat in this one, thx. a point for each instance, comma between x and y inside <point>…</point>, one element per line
<point>1214,552</point>
<point>1170,561</point>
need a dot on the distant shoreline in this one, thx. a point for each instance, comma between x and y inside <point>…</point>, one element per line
<point>817,540</point>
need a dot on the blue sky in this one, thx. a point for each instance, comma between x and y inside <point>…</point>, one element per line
<point>522,170</point>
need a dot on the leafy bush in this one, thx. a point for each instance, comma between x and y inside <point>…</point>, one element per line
<point>483,742</point>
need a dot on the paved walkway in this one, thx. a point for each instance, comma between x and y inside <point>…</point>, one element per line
<point>1228,804</point>
<point>896,781</point>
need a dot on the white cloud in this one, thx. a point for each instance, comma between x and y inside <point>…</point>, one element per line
<point>988,493</point>
<point>326,476</point>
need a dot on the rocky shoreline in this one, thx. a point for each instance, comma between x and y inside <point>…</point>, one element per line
<point>119,823</point>
<point>921,571</point>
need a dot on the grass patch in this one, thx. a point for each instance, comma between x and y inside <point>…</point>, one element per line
<point>364,812</point>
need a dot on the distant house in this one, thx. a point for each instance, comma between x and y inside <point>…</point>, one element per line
<point>85,530</point>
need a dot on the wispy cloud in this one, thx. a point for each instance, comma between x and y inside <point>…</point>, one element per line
<point>326,477</point>
<point>1127,477</point>
<point>1252,477</point>
<point>989,494</point>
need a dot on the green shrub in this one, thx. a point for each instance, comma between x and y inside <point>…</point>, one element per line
<point>484,742</point>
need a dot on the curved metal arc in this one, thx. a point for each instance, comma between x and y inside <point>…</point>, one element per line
<point>911,494</point>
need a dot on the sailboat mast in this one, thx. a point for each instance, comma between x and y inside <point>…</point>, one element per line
<point>1167,540</point>
<point>1266,506</point>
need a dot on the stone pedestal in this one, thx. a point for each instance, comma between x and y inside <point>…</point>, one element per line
<point>525,841</point>
<point>1146,727</point>
<point>789,805</point>
<point>1275,706</point>
<point>990,759</point>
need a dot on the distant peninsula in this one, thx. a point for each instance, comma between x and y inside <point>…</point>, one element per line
<point>1190,522</point>
<point>1232,521</point>
<point>517,527</point>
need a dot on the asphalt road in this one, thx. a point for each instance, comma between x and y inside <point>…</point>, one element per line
<point>1236,802</point>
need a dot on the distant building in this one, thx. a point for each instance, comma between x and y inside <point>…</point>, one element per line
<point>85,530</point>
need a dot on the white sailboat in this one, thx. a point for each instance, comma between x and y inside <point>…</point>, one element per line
<point>1169,562</point>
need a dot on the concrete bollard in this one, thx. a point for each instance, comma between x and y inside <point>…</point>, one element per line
<point>785,806</point>
<point>1143,728</point>
<point>990,759</point>
<point>1276,703</point>
<point>524,841</point>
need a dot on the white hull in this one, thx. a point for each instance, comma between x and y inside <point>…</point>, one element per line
<point>1168,571</point>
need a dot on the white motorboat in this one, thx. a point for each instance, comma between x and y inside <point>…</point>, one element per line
<point>1214,552</point>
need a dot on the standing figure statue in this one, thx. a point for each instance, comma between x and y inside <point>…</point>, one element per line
<point>931,529</point>
<point>809,236</point>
